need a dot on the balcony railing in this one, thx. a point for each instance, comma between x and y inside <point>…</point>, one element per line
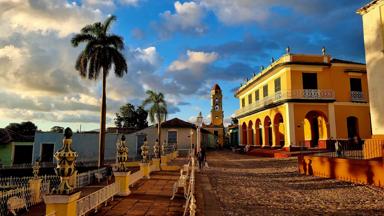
<point>302,94</point>
<point>358,96</point>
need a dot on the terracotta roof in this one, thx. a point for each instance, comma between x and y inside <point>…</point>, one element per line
<point>177,123</point>
<point>216,87</point>
<point>334,60</point>
<point>366,7</point>
<point>7,136</point>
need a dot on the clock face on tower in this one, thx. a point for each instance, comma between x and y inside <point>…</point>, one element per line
<point>217,107</point>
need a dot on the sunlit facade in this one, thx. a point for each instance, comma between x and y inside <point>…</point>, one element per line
<point>304,100</point>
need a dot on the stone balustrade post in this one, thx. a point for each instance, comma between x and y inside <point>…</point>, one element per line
<point>122,180</point>
<point>62,201</point>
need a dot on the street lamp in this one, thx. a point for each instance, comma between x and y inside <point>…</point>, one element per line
<point>191,151</point>
<point>199,122</point>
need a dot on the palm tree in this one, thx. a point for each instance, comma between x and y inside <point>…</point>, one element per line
<point>101,52</point>
<point>157,111</point>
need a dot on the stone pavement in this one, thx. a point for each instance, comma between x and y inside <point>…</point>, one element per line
<point>149,197</point>
<point>236,184</point>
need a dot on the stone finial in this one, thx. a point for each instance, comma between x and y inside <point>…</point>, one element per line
<point>156,149</point>
<point>262,67</point>
<point>65,168</point>
<point>272,60</point>
<point>323,50</point>
<point>144,151</point>
<point>68,133</point>
<point>122,156</point>
<point>288,50</point>
<point>35,169</point>
<point>164,148</point>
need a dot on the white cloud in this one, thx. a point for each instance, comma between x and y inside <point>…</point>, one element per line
<point>239,11</point>
<point>44,16</point>
<point>187,17</point>
<point>194,61</point>
<point>130,2</point>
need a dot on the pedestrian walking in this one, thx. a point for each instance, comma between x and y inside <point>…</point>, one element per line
<point>201,158</point>
<point>338,148</point>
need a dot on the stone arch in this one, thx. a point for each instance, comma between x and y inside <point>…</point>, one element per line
<point>267,131</point>
<point>258,133</point>
<point>250,133</point>
<point>244,133</point>
<point>315,129</point>
<point>279,130</point>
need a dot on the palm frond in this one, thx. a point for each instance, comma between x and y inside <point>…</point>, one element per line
<point>80,38</point>
<point>116,41</point>
<point>119,62</point>
<point>107,23</point>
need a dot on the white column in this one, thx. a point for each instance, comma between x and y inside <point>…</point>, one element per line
<point>332,120</point>
<point>290,124</point>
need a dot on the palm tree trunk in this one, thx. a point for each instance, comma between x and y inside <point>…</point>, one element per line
<point>102,122</point>
<point>159,134</point>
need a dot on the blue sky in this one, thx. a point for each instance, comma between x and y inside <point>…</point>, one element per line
<point>180,48</point>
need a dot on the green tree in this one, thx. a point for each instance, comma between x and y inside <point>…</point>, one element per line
<point>131,117</point>
<point>157,109</point>
<point>23,128</point>
<point>142,116</point>
<point>102,52</point>
<point>57,129</point>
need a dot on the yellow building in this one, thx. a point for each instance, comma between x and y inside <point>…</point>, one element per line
<point>217,115</point>
<point>303,100</point>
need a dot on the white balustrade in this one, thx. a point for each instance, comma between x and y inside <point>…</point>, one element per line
<point>135,177</point>
<point>190,203</point>
<point>94,200</point>
<point>358,96</point>
<point>301,94</point>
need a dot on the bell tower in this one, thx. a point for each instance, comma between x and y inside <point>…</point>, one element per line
<point>217,114</point>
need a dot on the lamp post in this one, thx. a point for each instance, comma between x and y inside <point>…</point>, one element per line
<point>199,122</point>
<point>192,147</point>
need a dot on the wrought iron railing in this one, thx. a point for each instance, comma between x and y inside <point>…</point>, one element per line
<point>303,94</point>
<point>358,96</point>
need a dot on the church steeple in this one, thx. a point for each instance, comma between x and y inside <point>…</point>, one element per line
<point>217,114</point>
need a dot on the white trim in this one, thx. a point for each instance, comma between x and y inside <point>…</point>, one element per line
<point>355,74</point>
<point>351,104</point>
<point>332,120</point>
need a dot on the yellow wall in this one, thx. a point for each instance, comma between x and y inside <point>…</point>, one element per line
<point>361,112</point>
<point>282,73</point>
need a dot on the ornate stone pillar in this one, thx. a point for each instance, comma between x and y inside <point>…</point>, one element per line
<point>164,158</point>
<point>63,199</point>
<point>156,159</point>
<point>144,165</point>
<point>121,171</point>
<point>35,183</point>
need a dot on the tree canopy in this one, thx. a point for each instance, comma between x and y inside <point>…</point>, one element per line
<point>131,117</point>
<point>24,128</point>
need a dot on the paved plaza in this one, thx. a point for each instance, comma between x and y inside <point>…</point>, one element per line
<point>149,197</point>
<point>236,184</point>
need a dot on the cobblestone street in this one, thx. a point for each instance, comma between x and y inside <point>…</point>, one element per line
<point>245,185</point>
